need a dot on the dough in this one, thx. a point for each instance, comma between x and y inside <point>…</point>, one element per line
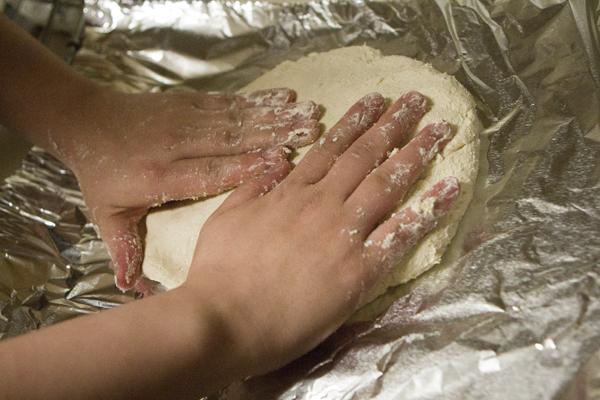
<point>336,79</point>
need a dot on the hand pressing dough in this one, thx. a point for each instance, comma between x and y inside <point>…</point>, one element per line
<point>336,79</point>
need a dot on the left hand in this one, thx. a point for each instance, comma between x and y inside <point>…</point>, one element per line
<point>131,152</point>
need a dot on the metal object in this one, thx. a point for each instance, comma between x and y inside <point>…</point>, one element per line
<point>514,309</point>
<point>58,24</point>
<point>63,32</point>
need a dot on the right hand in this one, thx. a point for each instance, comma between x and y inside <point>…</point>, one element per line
<point>282,270</point>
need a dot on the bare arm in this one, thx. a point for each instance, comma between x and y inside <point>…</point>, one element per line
<point>231,318</point>
<point>247,308</point>
<point>38,90</point>
<point>134,151</point>
<point>152,349</point>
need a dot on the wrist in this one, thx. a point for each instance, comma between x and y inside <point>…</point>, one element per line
<point>218,350</point>
<point>75,113</point>
<point>60,116</point>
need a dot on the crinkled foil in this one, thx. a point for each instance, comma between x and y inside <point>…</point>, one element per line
<point>514,309</point>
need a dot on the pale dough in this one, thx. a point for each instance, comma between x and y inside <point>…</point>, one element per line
<point>336,79</point>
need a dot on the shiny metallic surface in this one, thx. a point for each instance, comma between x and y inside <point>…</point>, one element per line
<point>514,309</point>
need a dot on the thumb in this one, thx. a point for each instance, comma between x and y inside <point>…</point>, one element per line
<point>121,235</point>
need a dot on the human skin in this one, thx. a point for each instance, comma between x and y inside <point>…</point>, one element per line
<point>148,148</point>
<point>255,298</point>
<point>315,240</point>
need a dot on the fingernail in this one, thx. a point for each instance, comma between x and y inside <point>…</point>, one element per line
<point>415,100</point>
<point>372,108</point>
<point>303,110</point>
<point>127,269</point>
<point>410,107</point>
<point>373,100</point>
<point>442,131</point>
<point>275,155</point>
<point>270,97</point>
<point>302,133</point>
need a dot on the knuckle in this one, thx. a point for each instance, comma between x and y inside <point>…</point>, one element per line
<point>315,201</point>
<point>312,201</point>
<point>320,160</point>
<point>233,137</point>
<point>363,149</point>
<point>292,183</point>
<point>379,180</point>
<point>277,195</point>
<point>313,131</point>
<point>211,167</point>
<point>235,115</point>
<point>354,216</point>
<point>153,170</point>
<point>171,140</point>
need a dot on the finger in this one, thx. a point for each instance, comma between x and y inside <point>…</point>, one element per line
<point>267,97</point>
<point>388,244</point>
<point>370,149</point>
<point>215,101</point>
<point>265,116</point>
<point>300,134</point>
<point>257,186</point>
<point>360,117</point>
<point>146,287</point>
<point>239,140</point>
<point>208,126</point>
<point>204,119</point>
<point>382,189</point>
<point>216,133</point>
<point>202,177</point>
<point>120,234</point>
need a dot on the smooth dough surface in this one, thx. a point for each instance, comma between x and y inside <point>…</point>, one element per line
<point>336,79</point>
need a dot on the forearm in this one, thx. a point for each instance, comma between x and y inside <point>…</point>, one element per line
<point>153,348</point>
<point>39,93</point>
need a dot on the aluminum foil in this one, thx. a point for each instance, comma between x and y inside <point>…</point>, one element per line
<point>513,311</point>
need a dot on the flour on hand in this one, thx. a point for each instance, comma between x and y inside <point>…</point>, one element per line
<point>336,79</point>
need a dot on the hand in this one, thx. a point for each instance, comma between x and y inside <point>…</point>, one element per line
<point>132,152</point>
<point>284,269</point>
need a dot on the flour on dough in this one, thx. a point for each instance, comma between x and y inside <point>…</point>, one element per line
<point>336,79</point>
